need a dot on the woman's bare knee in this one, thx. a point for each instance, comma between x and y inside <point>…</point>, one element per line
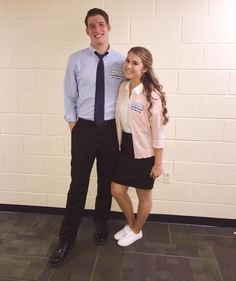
<point>118,190</point>
<point>144,195</point>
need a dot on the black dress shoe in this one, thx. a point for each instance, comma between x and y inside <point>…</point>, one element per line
<point>59,253</point>
<point>101,233</point>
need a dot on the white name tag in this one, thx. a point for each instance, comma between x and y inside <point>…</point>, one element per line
<point>116,74</point>
<point>137,106</point>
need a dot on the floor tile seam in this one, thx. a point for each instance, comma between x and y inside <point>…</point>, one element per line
<point>23,255</point>
<point>4,279</point>
<point>169,234</point>
<point>163,255</point>
<point>43,270</point>
<point>217,265</point>
<point>95,264</point>
<point>49,276</point>
<point>122,269</point>
<point>218,236</point>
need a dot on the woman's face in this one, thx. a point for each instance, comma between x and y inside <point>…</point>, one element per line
<point>133,67</point>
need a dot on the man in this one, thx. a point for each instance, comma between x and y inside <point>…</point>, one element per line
<point>93,131</point>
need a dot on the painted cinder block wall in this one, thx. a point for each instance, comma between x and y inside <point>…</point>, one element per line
<point>194,48</point>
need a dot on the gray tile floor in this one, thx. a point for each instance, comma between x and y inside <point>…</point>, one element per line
<point>168,252</point>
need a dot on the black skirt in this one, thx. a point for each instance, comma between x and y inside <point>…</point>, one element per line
<point>130,171</point>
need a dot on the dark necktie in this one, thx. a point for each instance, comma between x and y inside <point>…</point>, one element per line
<point>100,91</point>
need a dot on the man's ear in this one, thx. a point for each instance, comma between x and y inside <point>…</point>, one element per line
<point>86,30</point>
<point>109,26</point>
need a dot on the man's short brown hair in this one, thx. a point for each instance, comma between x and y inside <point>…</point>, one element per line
<point>95,12</point>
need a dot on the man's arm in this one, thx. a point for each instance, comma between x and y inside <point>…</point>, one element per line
<point>70,93</point>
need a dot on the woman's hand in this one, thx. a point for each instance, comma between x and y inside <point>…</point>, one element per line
<point>156,171</point>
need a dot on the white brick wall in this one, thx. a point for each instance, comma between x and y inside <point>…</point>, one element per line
<point>208,30</point>
<point>232,83</point>
<point>194,48</point>
<point>203,82</point>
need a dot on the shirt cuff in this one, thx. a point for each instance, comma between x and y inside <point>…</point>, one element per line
<point>70,117</point>
<point>158,144</point>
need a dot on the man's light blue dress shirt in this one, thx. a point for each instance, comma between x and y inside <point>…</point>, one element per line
<point>80,84</point>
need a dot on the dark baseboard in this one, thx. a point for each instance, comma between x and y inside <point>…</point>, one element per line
<point>118,215</point>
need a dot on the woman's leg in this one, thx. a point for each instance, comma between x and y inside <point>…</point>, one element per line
<point>144,208</point>
<point>120,193</point>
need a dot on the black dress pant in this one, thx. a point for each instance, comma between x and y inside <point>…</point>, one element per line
<point>89,142</point>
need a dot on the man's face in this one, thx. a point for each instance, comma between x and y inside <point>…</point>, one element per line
<point>98,30</point>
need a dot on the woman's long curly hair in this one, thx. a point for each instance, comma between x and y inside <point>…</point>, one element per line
<point>149,80</point>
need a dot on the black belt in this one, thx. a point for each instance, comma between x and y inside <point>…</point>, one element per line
<point>106,122</point>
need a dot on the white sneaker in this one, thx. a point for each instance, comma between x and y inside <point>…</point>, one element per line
<point>120,234</point>
<point>130,238</point>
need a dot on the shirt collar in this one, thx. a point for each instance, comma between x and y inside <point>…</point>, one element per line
<point>92,50</point>
<point>137,90</point>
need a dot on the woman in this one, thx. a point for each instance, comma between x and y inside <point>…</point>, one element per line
<point>140,115</point>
